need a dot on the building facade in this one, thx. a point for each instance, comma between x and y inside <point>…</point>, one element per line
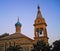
<point>18,38</point>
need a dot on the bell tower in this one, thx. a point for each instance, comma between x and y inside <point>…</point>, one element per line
<point>40,31</point>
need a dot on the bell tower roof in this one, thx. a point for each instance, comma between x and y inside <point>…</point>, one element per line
<point>39,15</point>
<point>39,19</point>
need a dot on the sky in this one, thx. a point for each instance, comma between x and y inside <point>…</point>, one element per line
<point>27,12</point>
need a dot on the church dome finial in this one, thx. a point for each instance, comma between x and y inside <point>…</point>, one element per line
<point>38,6</point>
<point>18,18</point>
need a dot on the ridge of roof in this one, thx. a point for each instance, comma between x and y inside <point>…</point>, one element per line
<point>15,36</point>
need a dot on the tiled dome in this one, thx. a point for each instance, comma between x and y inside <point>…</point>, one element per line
<point>18,24</point>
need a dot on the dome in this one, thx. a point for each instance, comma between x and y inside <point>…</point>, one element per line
<point>18,24</point>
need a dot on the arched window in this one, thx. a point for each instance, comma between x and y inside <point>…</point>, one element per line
<point>41,32</point>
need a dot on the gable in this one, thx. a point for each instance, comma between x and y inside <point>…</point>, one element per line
<point>14,36</point>
<point>17,37</point>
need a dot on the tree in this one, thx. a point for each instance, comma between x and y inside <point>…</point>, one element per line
<point>56,45</point>
<point>3,35</point>
<point>14,48</point>
<point>41,46</point>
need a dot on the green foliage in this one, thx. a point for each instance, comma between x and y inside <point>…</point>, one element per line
<point>3,35</point>
<point>56,45</point>
<point>41,46</point>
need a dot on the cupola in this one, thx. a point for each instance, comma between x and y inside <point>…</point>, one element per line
<point>18,26</point>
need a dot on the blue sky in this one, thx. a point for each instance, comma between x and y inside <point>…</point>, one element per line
<point>27,11</point>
